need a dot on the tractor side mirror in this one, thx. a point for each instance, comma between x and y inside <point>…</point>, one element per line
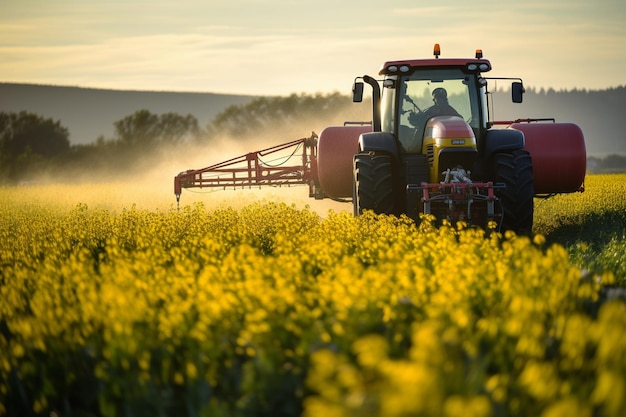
<point>517,92</point>
<point>357,92</point>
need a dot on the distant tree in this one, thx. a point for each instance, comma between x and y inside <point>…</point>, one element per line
<point>176,128</point>
<point>268,112</point>
<point>615,163</point>
<point>22,131</point>
<point>142,127</point>
<point>146,128</point>
<point>28,140</point>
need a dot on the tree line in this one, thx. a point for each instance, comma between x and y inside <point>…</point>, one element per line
<point>33,147</point>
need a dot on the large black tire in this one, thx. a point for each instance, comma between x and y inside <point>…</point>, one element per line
<point>373,183</point>
<point>515,171</point>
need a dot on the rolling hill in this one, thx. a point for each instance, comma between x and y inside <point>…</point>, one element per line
<point>89,113</point>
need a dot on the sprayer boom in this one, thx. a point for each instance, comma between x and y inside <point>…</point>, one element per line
<point>267,167</point>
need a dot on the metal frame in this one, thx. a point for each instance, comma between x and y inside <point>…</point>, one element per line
<point>454,195</point>
<point>251,170</point>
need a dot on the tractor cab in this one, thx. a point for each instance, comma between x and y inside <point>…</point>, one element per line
<point>410,101</point>
<point>409,88</point>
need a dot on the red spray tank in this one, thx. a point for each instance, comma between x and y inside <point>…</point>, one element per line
<point>335,149</point>
<point>558,154</point>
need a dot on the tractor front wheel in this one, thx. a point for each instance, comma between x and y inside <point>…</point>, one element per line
<point>373,183</point>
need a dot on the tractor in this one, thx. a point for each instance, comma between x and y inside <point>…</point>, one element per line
<point>430,148</point>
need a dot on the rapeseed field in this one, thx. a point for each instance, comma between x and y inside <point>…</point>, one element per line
<point>273,309</point>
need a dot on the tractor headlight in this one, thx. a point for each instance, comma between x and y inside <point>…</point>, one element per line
<point>475,67</point>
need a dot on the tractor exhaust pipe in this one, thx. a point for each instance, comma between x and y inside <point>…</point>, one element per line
<point>357,97</point>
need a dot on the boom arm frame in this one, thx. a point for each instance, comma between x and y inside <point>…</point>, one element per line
<point>252,170</point>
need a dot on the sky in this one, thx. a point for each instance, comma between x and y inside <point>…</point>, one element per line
<point>280,47</point>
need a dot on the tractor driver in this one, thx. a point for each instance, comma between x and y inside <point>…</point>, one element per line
<point>440,108</point>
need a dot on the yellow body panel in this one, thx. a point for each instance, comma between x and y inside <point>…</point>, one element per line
<point>445,133</point>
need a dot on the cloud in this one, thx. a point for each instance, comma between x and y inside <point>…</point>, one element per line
<point>281,48</point>
<point>425,11</point>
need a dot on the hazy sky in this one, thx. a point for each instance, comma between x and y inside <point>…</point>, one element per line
<point>276,47</point>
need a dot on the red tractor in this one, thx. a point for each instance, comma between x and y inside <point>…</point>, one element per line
<point>431,147</point>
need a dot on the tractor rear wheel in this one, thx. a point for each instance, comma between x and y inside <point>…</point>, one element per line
<point>515,171</point>
<point>373,183</point>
